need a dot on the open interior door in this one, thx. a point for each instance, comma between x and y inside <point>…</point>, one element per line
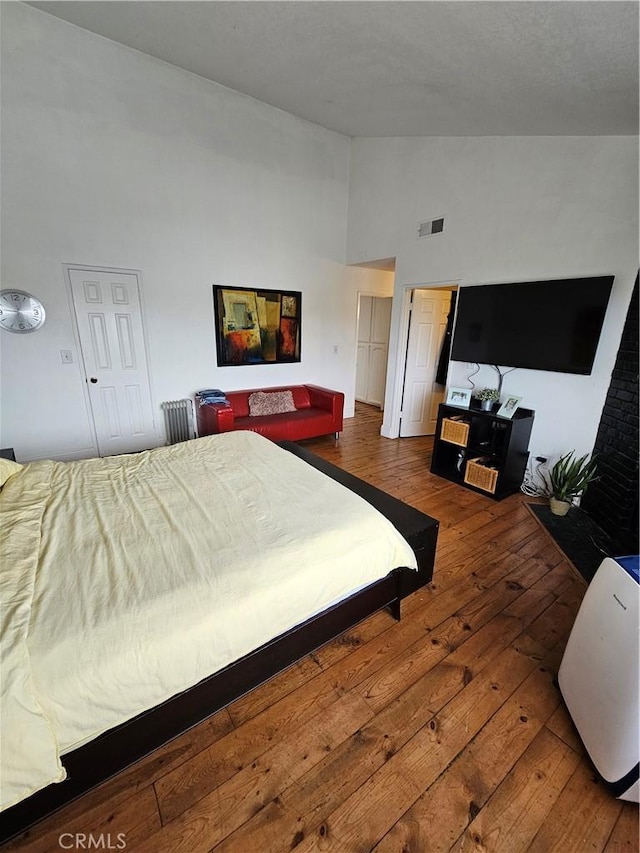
<point>422,395</point>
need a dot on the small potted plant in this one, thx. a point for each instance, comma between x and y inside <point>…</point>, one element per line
<point>487,397</point>
<point>568,479</point>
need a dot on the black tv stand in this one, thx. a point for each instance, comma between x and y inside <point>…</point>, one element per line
<point>482,451</point>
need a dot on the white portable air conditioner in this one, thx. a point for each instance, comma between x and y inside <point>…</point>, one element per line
<point>599,675</point>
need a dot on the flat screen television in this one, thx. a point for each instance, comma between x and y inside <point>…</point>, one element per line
<point>541,325</point>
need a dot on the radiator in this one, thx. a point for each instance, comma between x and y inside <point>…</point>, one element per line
<point>178,420</point>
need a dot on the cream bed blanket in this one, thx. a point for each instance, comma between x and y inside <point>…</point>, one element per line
<point>128,579</point>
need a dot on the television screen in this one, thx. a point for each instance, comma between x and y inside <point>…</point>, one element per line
<point>541,325</point>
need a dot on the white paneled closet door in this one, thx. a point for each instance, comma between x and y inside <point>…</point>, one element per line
<point>372,349</point>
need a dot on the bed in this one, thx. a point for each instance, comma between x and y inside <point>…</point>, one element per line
<point>142,593</point>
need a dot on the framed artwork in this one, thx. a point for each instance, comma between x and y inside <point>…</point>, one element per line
<point>459,397</point>
<point>509,406</point>
<point>256,326</point>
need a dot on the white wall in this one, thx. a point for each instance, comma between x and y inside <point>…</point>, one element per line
<point>516,209</point>
<point>111,158</point>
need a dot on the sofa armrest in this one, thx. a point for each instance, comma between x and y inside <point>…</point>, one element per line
<point>213,419</point>
<point>225,417</point>
<point>332,401</point>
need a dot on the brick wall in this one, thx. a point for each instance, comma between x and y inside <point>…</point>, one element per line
<point>612,501</point>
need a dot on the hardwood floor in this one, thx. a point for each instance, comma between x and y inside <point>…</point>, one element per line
<point>444,731</point>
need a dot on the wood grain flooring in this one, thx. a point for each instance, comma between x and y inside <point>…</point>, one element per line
<point>442,732</point>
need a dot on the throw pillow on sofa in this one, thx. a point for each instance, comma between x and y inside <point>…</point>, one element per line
<point>270,403</point>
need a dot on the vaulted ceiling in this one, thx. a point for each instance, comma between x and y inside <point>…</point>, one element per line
<point>417,68</point>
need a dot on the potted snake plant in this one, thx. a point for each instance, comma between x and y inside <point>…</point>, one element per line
<point>568,479</point>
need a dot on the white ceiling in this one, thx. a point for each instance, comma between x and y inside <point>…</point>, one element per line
<point>417,68</point>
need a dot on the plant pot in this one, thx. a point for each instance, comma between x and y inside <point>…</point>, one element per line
<point>486,405</point>
<point>559,507</point>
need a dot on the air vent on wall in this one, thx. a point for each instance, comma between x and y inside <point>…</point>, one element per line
<point>430,227</point>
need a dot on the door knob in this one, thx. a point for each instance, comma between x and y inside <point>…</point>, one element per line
<point>93,380</point>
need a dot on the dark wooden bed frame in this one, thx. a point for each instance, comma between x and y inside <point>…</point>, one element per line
<point>117,749</point>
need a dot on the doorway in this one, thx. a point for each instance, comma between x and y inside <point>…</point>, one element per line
<point>108,316</point>
<point>421,395</point>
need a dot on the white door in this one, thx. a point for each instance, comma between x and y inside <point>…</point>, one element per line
<point>109,318</point>
<point>421,396</point>
<point>377,374</point>
<point>362,371</point>
<point>374,321</point>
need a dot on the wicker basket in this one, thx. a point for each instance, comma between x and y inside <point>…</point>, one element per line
<point>478,475</point>
<point>455,432</point>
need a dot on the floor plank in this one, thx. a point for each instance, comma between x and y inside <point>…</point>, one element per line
<point>124,819</point>
<point>235,801</point>
<point>582,818</point>
<point>625,833</point>
<point>446,808</point>
<point>366,816</point>
<point>444,731</point>
<point>523,800</point>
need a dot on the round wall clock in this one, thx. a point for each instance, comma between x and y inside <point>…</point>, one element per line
<point>20,311</point>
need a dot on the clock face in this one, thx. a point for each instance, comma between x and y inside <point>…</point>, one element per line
<point>20,312</point>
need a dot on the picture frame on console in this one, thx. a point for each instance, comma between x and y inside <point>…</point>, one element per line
<point>509,406</point>
<point>257,325</point>
<point>459,397</point>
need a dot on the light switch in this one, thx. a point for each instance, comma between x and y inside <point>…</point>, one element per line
<point>67,356</point>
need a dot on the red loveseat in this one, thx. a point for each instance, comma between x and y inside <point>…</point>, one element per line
<point>318,411</point>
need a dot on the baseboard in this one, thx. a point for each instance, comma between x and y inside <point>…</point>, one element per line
<point>88,453</point>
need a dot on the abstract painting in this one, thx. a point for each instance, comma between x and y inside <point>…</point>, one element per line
<point>257,326</point>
